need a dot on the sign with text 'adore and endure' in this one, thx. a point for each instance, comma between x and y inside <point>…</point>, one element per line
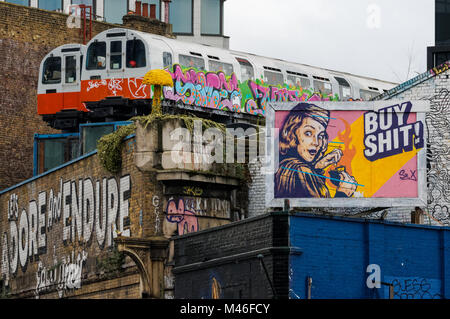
<point>346,154</point>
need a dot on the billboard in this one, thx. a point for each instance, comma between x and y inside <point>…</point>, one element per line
<point>346,154</point>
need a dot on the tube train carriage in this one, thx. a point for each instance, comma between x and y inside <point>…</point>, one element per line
<point>102,81</point>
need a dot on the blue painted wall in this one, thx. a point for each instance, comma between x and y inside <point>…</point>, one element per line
<point>336,252</point>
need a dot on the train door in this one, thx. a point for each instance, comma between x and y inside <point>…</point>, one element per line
<point>71,63</point>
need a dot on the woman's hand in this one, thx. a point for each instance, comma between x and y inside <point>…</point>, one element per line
<point>331,158</point>
<point>347,184</point>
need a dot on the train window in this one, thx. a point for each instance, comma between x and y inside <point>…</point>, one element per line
<point>344,88</point>
<point>216,66</point>
<point>116,55</point>
<point>273,78</point>
<point>247,72</point>
<point>192,61</point>
<point>52,71</point>
<point>366,95</point>
<point>322,87</point>
<point>96,56</point>
<point>167,59</point>
<point>298,81</point>
<point>71,69</point>
<point>136,54</point>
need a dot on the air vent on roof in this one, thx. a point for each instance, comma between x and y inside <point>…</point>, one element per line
<point>296,73</point>
<point>272,69</point>
<point>195,53</point>
<point>213,57</point>
<point>373,88</point>
<point>320,78</point>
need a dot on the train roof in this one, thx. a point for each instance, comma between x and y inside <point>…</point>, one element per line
<point>224,55</point>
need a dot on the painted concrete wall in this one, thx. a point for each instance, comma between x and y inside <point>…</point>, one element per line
<point>336,252</point>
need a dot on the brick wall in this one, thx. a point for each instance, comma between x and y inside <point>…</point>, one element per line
<point>68,218</point>
<point>26,36</point>
<point>224,260</point>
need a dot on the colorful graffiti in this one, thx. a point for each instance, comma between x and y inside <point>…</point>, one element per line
<point>217,91</point>
<point>182,215</point>
<point>325,154</point>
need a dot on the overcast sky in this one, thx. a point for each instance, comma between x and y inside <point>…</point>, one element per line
<point>376,38</point>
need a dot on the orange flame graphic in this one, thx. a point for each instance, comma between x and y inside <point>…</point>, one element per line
<point>347,148</point>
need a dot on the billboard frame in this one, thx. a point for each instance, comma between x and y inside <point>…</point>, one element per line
<point>272,136</point>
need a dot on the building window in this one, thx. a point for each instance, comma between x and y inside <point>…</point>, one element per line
<point>115,10</point>
<point>51,5</point>
<point>52,71</point>
<point>180,16</point>
<point>21,2</point>
<point>211,17</point>
<point>86,2</point>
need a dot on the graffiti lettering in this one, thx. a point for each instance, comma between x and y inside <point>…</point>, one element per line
<point>387,132</point>
<point>415,288</point>
<point>182,215</point>
<point>83,213</point>
<point>63,275</point>
<point>405,176</point>
<point>217,91</point>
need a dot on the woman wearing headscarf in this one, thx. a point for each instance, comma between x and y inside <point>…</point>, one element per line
<point>303,142</point>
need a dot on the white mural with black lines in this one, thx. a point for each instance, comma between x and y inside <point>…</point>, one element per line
<point>82,208</point>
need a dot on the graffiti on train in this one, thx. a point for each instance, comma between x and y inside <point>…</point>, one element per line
<point>217,91</point>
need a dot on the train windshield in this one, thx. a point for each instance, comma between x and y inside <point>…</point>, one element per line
<point>96,56</point>
<point>135,54</point>
<point>52,71</point>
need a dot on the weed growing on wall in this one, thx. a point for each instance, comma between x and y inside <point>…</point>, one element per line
<point>111,266</point>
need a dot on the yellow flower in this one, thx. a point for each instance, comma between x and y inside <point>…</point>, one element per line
<point>158,77</point>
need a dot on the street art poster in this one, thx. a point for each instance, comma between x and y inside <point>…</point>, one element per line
<point>349,153</point>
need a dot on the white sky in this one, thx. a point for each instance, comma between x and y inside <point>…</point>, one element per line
<point>376,38</point>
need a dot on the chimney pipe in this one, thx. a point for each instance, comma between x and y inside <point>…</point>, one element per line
<point>138,8</point>
<point>153,11</point>
<point>145,9</point>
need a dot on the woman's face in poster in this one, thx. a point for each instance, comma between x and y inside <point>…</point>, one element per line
<point>311,138</point>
